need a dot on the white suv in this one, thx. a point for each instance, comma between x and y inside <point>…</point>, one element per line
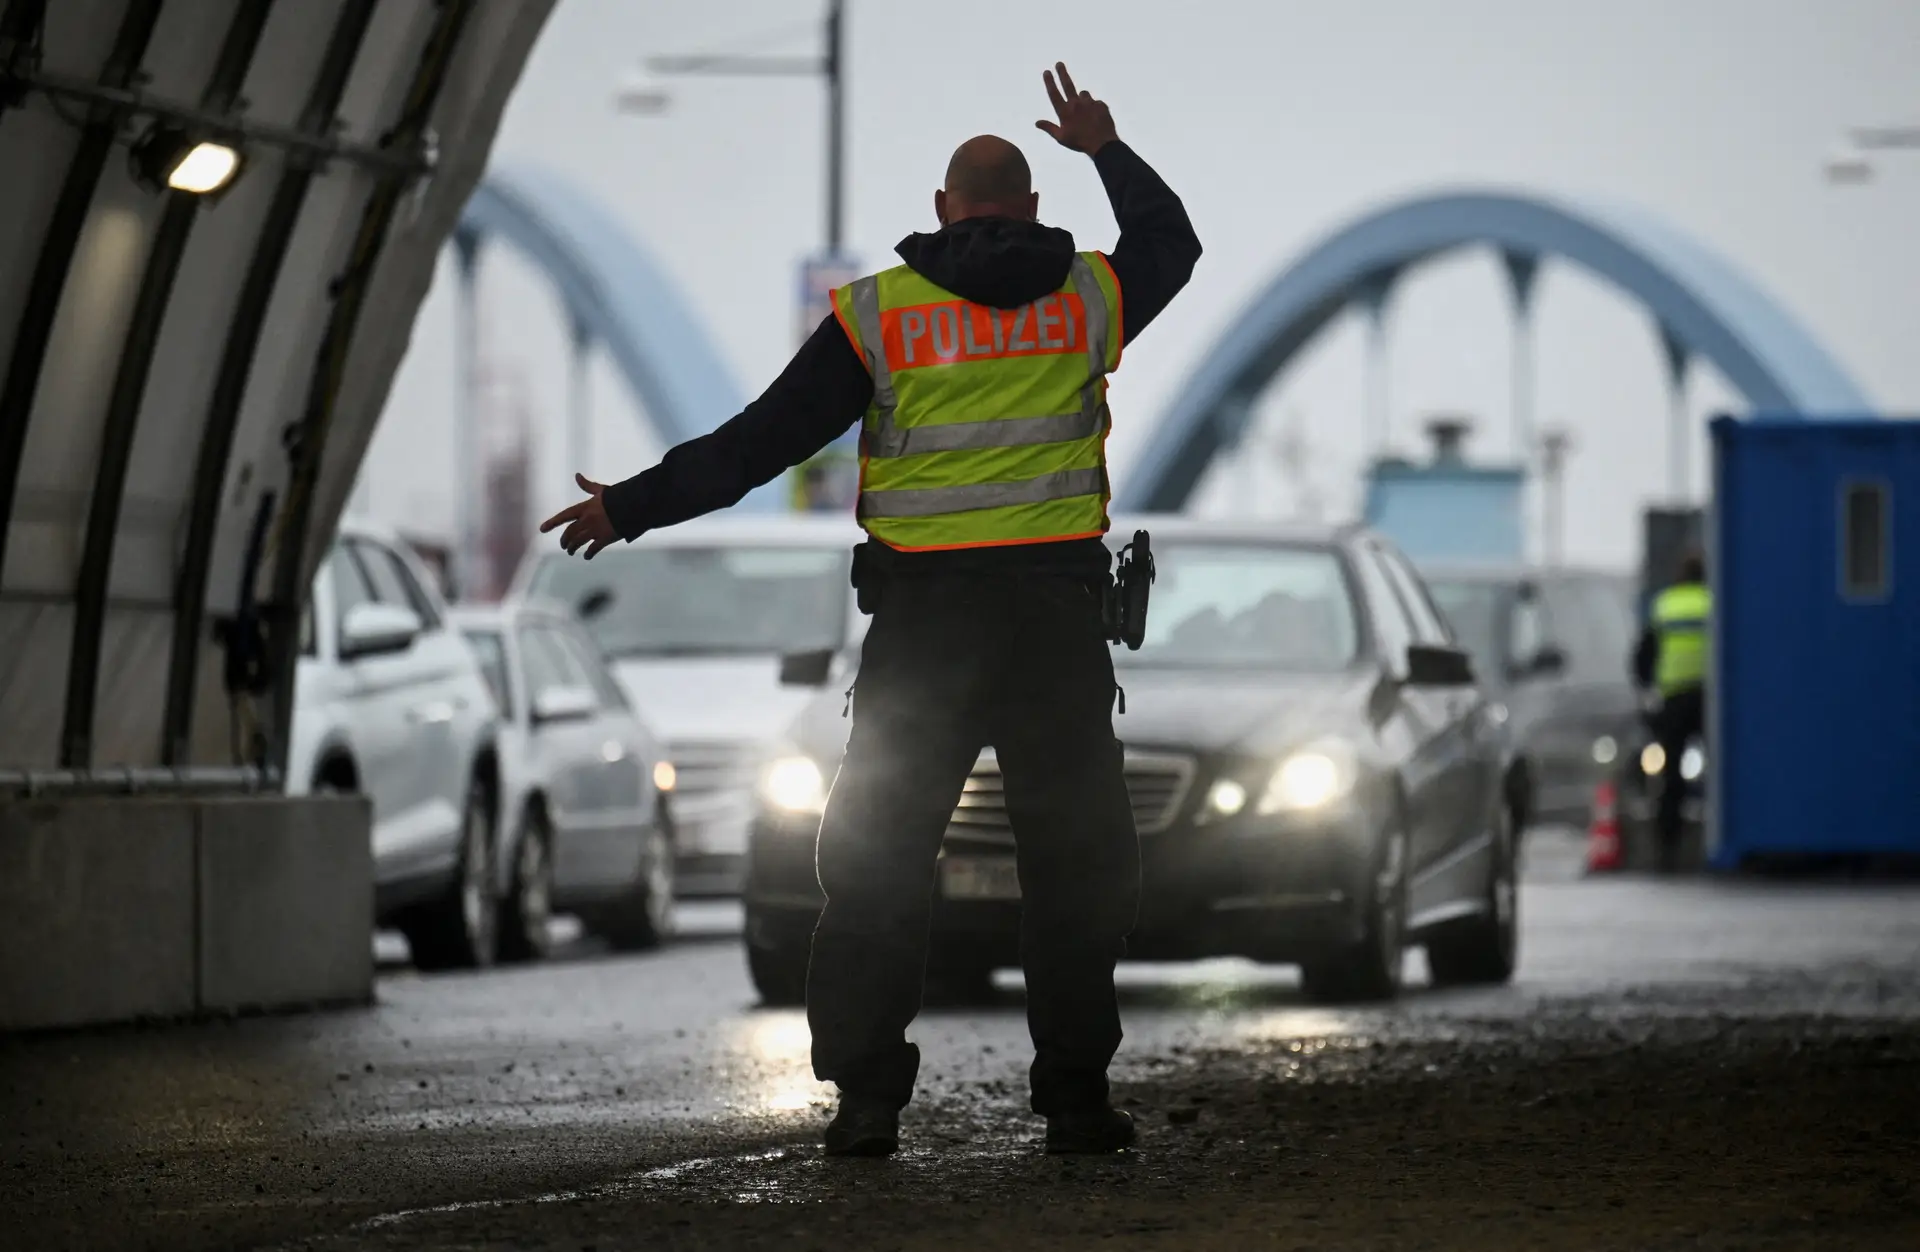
<point>390,702</point>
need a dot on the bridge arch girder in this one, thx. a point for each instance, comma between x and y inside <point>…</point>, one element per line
<point>615,294</point>
<point>1696,296</point>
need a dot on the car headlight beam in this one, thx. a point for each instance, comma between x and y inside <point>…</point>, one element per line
<point>1311,778</point>
<point>794,784</point>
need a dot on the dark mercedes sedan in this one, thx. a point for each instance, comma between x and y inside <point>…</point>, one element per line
<point>1315,775</point>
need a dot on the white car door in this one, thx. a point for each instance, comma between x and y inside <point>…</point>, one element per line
<point>375,723</point>
<point>624,747</point>
<point>589,848</point>
<point>410,688</point>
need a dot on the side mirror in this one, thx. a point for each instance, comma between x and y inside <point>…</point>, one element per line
<point>806,669</point>
<point>1550,661</point>
<point>375,629</point>
<point>1431,665</point>
<point>594,603</point>
<point>564,704</point>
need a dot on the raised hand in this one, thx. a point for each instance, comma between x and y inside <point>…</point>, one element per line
<point>1085,125</point>
<point>587,524</point>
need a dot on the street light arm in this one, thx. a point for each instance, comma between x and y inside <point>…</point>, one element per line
<point>740,66</point>
<point>1885,137</point>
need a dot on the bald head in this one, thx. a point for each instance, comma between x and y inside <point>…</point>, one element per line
<point>987,177</point>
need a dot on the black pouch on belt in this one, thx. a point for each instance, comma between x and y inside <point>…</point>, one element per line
<point>1124,608</point>
<point>867,578</point>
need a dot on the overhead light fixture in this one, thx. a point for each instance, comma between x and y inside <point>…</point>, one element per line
<point>169,157</point>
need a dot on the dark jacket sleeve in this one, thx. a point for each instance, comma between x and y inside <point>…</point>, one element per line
<point>1157,249</point>
<point>823,391</point>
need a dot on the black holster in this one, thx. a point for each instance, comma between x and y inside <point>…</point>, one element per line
<point>867,579</point>
<point>1123,604</point>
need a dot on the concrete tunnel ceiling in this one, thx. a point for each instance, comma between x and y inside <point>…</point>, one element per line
<point>1702,303</point>
<point>174,372</point>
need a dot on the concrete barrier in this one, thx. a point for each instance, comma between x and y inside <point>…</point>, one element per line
<point>125,908</point>
<point>96,911</point>
<point>286,902</point>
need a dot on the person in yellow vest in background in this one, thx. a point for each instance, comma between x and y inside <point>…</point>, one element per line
<point>978,371</point>
<point>1671,658</point>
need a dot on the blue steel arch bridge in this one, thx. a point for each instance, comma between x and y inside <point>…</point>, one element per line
<point>1702,306</point>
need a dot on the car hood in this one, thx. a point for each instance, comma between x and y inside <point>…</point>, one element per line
<point>1191,710</point>
<point>729,698</point>
<point>1254,710</point>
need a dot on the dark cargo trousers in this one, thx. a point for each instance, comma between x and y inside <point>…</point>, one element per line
<point>952,664</point>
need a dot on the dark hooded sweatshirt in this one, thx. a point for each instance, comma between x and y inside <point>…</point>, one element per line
<point>826,388</point>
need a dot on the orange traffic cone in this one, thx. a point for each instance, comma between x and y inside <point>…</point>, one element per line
<point>1603,834</point>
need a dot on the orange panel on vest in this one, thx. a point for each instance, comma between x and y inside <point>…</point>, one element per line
<point>954,330</point>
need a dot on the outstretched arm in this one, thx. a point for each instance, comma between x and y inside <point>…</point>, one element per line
<point>823,390</point>
<point>1157,249</point>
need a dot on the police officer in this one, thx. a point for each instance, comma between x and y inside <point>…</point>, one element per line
<point>1671,657</point>
<point>978,369</point>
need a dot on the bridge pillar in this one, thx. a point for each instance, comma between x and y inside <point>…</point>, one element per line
<point>1522,269</point>
<point>466,422</point>
<point>1375,290</point>
<point>1679,360</point>
<point>579,404</point>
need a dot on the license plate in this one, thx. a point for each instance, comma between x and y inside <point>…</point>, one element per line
<point>979,878</point>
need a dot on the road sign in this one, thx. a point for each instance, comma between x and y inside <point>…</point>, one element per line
<point>819,275</point>
<point>830,481</point>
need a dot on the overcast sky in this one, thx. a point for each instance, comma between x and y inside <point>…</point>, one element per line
<point>1278,122</point>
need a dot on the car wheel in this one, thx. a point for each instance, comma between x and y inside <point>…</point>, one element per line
<point>459,930</point>
<point>643,918</point>
<point>1482,950</point>
<point>528,908</point>
<point>779,973</point>
<point>1370,968</point>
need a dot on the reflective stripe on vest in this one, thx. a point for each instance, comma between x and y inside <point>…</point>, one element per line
<point>1007,352</point>
<point>1681,615</point>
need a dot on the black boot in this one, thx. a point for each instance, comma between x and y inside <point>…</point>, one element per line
<point>863,1126</point>
<point>1089,1131</point>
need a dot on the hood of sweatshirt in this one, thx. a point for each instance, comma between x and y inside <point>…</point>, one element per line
<point>1001,262</point>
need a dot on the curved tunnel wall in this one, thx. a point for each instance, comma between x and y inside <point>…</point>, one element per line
<point>615,292</point>
<point>1705,304</point>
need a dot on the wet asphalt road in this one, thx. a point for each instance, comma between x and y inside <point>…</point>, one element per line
<point>1679,1064</point>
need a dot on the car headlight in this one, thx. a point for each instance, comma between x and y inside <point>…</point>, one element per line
<point>1605,749</point>
<point>794,784</point>
<point>1226,797</point>
<point>1693,762</point>
<point>1653,759</point>
<point>1311,778</point>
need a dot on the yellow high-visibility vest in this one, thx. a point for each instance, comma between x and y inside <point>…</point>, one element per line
<point>988,426</point>
<point>1680,616</point>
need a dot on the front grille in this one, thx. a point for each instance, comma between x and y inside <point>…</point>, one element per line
<point>1156,784</point>
<point>704,768</point>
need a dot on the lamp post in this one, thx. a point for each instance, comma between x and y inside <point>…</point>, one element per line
<point>640,97</point>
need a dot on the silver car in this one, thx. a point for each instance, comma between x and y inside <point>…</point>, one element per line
<point>585,826</point>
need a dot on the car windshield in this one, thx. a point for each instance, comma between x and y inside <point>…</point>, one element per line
<point>1472,606</point>
<point>1246,605</point>
<point>693,601</point>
